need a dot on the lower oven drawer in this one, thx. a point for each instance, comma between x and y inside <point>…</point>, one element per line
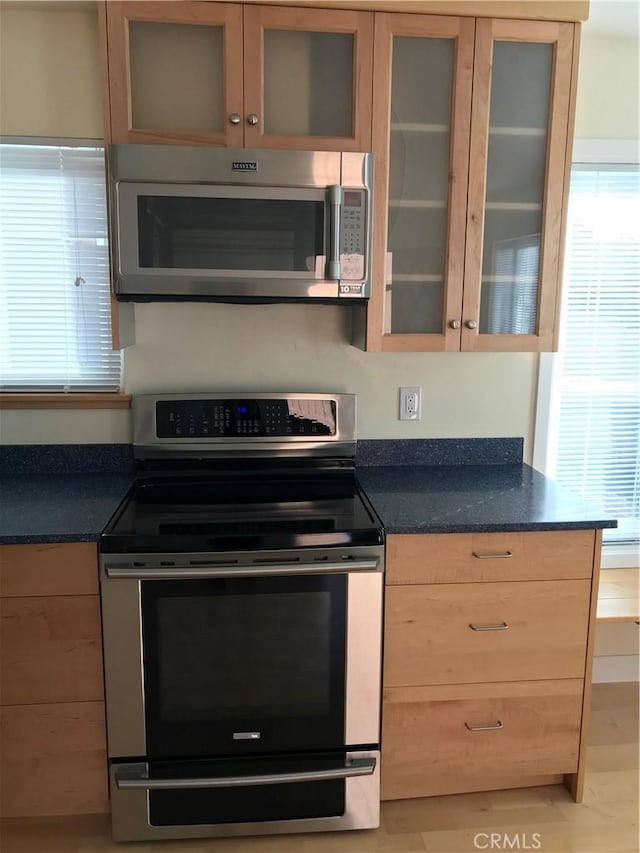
<point>478,737</point>
<point>246,796</point>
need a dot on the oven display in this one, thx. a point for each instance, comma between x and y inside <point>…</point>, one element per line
<point>243,418</point>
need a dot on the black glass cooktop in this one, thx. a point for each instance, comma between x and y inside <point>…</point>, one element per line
<point>246,510</point>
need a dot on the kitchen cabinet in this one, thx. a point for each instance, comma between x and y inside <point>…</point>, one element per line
<point>52,727</point>
<point>472,128</point>
<point>239,75</point>
<point>487,667</point>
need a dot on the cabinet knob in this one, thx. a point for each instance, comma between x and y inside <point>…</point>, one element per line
<point>252,119</point>
<point>471,324</point>
<point>234,118</point>
<point>454,324</point>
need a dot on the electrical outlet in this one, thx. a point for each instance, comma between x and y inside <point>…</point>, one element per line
<point>410,398</point>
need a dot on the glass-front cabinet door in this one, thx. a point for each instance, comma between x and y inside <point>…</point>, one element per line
<point>175,72</point>
<point>518,170</point>
<point>307,78</point>
<point>421,120</point>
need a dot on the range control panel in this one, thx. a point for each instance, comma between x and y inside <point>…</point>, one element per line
<point>245,418</point>
<point>353,235</point>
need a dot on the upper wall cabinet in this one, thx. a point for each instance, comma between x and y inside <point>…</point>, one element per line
<point>176,74</point>
<point>471,132</point>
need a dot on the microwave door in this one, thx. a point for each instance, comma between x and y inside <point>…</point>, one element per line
<point>190,241</point>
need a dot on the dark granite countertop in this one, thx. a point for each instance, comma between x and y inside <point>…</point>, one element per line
<point>47,494</point>
<point>38,508</point>
<point>473,498</point>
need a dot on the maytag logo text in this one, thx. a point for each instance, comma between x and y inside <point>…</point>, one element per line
<point>244,166</point>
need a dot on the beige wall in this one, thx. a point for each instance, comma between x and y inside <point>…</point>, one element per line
<point>608,88</point>
<point>49,72</point>
<point>188,347</point>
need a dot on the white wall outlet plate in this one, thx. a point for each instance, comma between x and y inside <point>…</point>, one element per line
<point>410,400</point>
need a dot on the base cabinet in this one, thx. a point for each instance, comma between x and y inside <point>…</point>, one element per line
<point>478,737</point>
<point>487,685</point>
<point>52,729</point>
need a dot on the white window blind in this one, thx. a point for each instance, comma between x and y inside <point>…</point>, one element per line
<point>55,312</point>
<point>512,304</point>
<point>594,426</point>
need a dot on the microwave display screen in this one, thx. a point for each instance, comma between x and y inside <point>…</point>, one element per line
<point>208,233</point>
<point>352,199</point>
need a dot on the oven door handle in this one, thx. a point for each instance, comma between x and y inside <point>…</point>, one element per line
<point>356,767</point>
<point>151,572</point>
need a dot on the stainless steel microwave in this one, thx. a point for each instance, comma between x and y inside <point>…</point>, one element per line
<point>225,224</point>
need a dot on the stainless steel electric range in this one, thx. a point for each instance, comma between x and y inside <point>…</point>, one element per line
<point>241,583</point>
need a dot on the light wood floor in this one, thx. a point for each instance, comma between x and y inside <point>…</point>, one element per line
<point>607,821</point>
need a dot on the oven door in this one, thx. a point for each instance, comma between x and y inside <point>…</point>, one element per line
<point>199,240</point>
<point>221,664</point>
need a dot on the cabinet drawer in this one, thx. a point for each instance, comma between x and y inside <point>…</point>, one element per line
<point>48,569</point>
<point>470,557</point>
<point>444,740</point>
<point>53,760</point>
<point>51,650</point>
<point>429,638</point>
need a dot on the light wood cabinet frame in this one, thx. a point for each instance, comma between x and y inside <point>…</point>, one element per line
<point>561,36</point>
<point>258,19</point>
<point>53,758</point>
<point>388,26</point>
<point>417,568</point>
<point>225,15</point>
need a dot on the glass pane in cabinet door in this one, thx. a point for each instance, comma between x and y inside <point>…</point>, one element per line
<point>517,153</point>
<point>176,77</point>
<point>422,78</point>
<point>308,83</point>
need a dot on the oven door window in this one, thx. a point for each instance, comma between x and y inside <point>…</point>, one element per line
<point>244,665</point>
<point>227,231</point>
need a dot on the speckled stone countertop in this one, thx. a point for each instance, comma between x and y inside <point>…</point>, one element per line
<point>58,507</point>
<point>473,499</point>
<point>60,493</point>
<point>68,493</point>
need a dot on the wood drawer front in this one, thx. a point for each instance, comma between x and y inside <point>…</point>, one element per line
<point>428,750</point>
<point>449,557</point>
<point>428,638</point>
<point>51,650</point>
<point>70,569</point>
<point>53,760</point>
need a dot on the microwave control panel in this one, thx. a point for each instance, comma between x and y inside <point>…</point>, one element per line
<point>190,419</point>
<point>353,236</point>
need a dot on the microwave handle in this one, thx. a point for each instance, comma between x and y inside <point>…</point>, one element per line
<point>335,213</point>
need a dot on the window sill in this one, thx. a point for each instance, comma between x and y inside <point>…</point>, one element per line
<point>64,401</point>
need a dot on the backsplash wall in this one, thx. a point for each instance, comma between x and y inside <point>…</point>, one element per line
<point>198,347</point>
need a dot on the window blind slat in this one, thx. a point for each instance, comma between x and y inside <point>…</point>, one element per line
<point>595,407</point>
<point>55,307</point>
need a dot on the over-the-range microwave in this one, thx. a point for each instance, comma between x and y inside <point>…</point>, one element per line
<point>224,224</point>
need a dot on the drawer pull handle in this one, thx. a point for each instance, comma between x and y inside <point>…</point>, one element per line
<point>504,556</point>
<point>493,728</point>
<point>502,626</point>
